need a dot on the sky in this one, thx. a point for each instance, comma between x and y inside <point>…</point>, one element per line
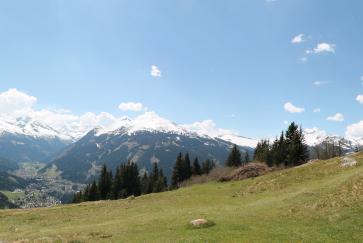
<point>248,66</point>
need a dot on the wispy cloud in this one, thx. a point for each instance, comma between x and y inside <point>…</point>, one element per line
<point>155,71</point>
<point>303,59</point>
<point>298,39</point>
<point>338,117</point>
<point>320,83</point>
<point>289,107</point>
<point>360,99</point>
<point>316,110</point>
<point>131,106</point>
<point>324,48</point>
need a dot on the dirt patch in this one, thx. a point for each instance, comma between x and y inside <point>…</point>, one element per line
<point>246,171</point>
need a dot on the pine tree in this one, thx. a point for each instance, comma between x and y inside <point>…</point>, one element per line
<point>105,183</point>
<point>144,184</point>
<point>130,180</point>
<point>117,184</point>
<point>160,184</point>
<point>234,157</point>
<point>207,166</point>
<point>86,193</point>
<point>187,170</point>
<point>297,152</point>
<point>157,180</point>
<point>262,152</point>
<point>93,192</point>
<point>177,171</point>
<point>196,169</point>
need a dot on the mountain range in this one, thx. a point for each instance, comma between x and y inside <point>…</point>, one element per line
<point>77,155</point>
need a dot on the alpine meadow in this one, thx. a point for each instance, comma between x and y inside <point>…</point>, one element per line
<point>181,121</point>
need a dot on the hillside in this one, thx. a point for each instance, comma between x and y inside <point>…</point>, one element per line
<point>144,140</point>
<point>317,202</point>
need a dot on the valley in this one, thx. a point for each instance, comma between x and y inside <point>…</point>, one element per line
<point>40,189</point>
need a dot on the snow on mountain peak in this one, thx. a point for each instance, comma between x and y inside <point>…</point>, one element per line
<point>30,127</point>
<point>149,121</point>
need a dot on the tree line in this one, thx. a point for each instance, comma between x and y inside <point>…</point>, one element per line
<point>183,169</point>
<point>328,149</point>
<point>128,182</point>
<point>287,150</point>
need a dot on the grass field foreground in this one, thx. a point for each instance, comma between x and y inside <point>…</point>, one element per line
<point>316,202</point>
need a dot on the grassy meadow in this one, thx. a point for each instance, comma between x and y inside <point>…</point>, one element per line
<point>316,202</point>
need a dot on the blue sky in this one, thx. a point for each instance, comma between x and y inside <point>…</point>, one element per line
<point>233,62</point>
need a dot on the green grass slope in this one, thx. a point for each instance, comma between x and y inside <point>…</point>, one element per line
<point>317,202</point>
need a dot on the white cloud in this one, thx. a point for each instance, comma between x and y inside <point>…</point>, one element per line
<point>355,131</point>
<point>314,135</point>
<point>131,106</point>
<point>319,83</point>
<point>298,39</point>
<point>338,117</point>
<point>209,128</point>
<point>303,59</point>
<point>324,47</point>
<point>206,127</point>
<point>316,110</point>
<point>270,1</point>
<point>360,99</point>
<point>14,102</point>
<point>289,107</point>
<point>155,71</point>
<point>286,122</point>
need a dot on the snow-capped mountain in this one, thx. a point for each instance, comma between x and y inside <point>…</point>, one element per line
<point>151,122</point>
<point>315,136</point>
<point>28,140</point>
<point>30,127</point>
<point>145,139</point>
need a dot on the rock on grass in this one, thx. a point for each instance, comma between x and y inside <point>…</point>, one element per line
<point>201,223</point>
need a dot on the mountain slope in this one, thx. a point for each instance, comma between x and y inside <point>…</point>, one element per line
<point>146,139</point>
<point>10,182</point>
<point>79,161</point>
<point>27,140</point>
<point>317,202</point>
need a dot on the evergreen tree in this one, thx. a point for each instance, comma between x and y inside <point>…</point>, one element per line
<point>144,184</point>
<point>160,184</point>
<point>117,184</point>
<point>234,157</point>
<point>93,192</point>
<point>86,193</point>
<point>105,183</point>
<point>262,152</point>
<point>207,166</point>
<point>297,152</point>
<point>130,180</point>
<point>177,171</point>
<point>187,170</point>
<point>196,169</point>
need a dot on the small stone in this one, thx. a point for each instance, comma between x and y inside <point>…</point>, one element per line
<point>199,222</point>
